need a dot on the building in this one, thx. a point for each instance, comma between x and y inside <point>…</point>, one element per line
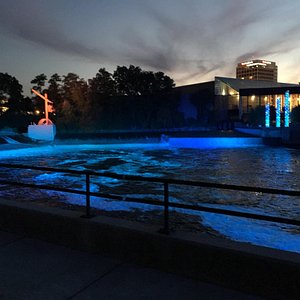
<point>229,99</point>
<point>257,70</point>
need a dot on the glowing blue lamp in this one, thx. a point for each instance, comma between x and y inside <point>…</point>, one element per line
<point>267,115</point>
<point>278,111</point>
<point>287,109</point>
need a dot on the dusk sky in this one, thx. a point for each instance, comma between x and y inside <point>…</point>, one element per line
<point>191,40</point>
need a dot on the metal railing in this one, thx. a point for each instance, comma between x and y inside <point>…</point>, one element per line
<point>166,204</point>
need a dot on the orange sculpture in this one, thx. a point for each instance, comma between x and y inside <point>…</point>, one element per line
<point>48,108</point>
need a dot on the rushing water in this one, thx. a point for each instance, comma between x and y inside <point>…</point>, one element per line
<point>255,166</point>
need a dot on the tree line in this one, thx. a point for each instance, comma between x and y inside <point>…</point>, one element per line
<point>128,98</point>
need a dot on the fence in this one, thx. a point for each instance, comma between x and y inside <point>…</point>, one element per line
<point>166,204</point>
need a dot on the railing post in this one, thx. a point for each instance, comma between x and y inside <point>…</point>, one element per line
<point>166,208</point>
<point>87,199</point>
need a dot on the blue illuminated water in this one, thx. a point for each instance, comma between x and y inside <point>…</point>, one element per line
<point>255,166</point>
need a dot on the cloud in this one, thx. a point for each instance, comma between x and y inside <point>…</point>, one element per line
<point>274,45</point>
<point>190,39</point>
<point>186,39</point>
<point>36,26</point>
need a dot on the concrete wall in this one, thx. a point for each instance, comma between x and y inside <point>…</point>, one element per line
<point>262,271</point>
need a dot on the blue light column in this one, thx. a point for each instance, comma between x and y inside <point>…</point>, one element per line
<point>278,111</point>
<point>287,109</point>
<point>267,115</point>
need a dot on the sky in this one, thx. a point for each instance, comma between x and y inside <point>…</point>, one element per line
<point>191,41</point>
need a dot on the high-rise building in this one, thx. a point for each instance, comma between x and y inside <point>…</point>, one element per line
<point>257,69</point>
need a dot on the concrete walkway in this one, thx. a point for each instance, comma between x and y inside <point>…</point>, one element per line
<point>33,269</point>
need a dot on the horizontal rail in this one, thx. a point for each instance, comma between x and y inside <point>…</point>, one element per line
<point>236,213</point>
<point>160,180</point>
<point>166,204</point>
<point>43,187</point>
<point>80,192</point>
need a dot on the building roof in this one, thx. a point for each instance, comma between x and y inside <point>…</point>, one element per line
<point>270,91</point>
<point>239,84</point>
<point>191,88</point>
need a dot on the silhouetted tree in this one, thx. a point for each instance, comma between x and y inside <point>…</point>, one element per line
<point>39,84</point>
<point>74,109</point>
<point>127,99</point>
<point>128,80</point>
<point>133,81</point>
<point>15,110</point>
<point>101,90</point>
<point>55,93</point>
<point>102,84</point>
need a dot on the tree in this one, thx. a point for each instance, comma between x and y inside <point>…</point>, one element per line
<point>39,83</point>
<point>55,92</point>
<point>128,80</point>
<point>133,81</point>
<point>163,82</point>
<point>10,93</point>
<point>103,83</point>
<point>15,110</point>
<point>101,88</point>
<point>74,109</point>
<point>54,88</point>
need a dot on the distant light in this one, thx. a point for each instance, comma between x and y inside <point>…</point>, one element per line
<point>247,63</point>
<point>278,111</point>
<point>253,98</point>
<point>4,108</point>
<point>37,112</point>
<point>287,109</point>
<point>267,115</point>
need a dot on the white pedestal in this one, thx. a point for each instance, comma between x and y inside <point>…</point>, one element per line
<point>42,132</point>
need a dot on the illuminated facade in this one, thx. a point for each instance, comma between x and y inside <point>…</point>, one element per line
<point>231,100</point>
<point>257,70</point>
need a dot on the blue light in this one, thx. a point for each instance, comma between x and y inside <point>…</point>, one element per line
<point>278,111</point>
<point>267,115</point>
<point>214,142</point>
<point>287,109</point>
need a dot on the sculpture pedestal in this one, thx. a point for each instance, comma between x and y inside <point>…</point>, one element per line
<point>42,132</point>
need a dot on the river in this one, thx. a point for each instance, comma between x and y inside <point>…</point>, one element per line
<point>260,166</point>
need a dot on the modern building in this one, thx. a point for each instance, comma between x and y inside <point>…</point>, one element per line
<point>257,69</point>
<point>230,99</point>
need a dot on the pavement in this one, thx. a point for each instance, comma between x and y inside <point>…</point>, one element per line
<point>34,269</point>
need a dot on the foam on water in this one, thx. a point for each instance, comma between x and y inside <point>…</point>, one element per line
<point>255,166</point>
